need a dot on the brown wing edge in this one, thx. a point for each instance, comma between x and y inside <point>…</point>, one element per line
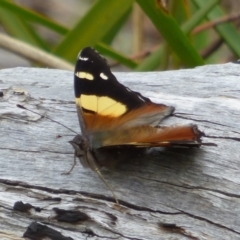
<point>147,136</point>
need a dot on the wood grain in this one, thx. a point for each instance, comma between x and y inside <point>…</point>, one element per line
<point>164,194</point>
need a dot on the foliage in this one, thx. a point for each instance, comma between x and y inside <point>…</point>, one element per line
<point>176,23</point>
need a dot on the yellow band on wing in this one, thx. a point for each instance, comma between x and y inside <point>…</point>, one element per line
<point>84,75</point>
<point>102,105</point>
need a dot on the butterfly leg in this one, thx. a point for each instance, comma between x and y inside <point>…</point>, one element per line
<point>88,159</point>
<point>93,165</point>
<point>74,164</point>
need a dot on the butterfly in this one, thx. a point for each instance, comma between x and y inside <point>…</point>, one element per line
<point>113,116</point>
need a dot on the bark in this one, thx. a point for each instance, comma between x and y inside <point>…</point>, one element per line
<point>164,194</point>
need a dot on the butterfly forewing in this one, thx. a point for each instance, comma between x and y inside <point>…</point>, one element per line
<point>104,103</point>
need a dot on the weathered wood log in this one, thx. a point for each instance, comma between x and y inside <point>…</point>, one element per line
<point>164,194</point>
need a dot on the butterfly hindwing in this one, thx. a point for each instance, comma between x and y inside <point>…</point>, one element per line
<point>147,136</point>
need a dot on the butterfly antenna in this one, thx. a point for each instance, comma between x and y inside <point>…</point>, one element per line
<point>22,107</point>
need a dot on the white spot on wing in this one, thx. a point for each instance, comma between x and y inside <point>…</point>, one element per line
<point>128,89</point>
<point>83,58</point>
<point>103,76</point>
<point>141,98</point>
<point>84,75</point>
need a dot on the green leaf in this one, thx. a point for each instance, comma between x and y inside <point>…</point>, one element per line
<point>151,62</point>
<point>227,30</point>
<point>199,15</point>
<point>33,16</point>
<point>93,27</point>
<point>107,51</point>
<point>108,38</point>
<point>20,29</point>
<point>154,60</point>
<point>171,32</point>
<point>179,10</point>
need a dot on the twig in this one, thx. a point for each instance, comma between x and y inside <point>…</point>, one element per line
<point>33,53</point>
<point>211,48</point>
<point>216,22</point>
<point>196,30</point>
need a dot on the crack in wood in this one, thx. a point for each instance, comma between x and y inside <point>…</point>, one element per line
<point>209,221</point>
<point>19,150</point>
<point>199,120</point>
<point>194,188</point>
<point>173,228</point>
<point>70,192</point>
<point>226,138</point>
<point>40,151</point>
<point>60,191</point>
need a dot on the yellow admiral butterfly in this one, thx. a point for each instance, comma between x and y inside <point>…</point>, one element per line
<point>112,115</point>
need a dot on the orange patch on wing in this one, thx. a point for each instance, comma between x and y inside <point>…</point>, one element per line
<point>149,114</point>
<point>152,136</point>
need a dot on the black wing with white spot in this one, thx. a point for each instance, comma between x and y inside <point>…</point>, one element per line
<point>94,78</point>
<point>104,104</point>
